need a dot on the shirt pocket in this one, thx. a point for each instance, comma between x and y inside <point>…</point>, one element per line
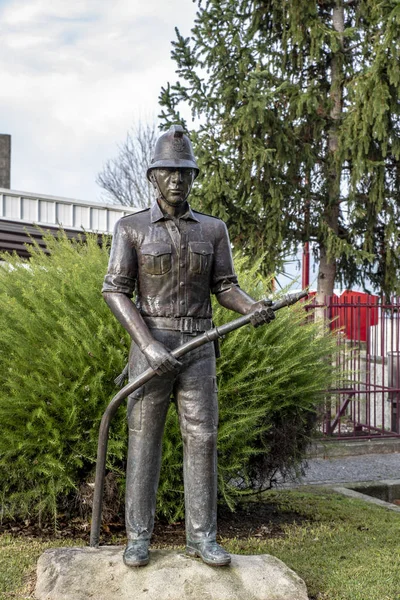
<point>200,256</point>
<point>156,258</point>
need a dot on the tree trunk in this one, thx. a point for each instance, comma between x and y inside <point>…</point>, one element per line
<point>327,265</point>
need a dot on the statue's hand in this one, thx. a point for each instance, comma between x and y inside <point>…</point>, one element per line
<point>262,313</point>
<point>160,359</point>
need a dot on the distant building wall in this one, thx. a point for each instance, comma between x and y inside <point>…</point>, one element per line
<point>21,212</point>
<point>5,161</point>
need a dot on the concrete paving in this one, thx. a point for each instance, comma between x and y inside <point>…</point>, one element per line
<point>348,469</point>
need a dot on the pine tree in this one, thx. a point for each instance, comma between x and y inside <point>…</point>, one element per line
<point>296,115</point>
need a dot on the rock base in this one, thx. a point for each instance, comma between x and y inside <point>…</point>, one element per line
<point>99,573</point>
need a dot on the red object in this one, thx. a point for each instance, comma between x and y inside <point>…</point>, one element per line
<point>305,267</point>
<point>355,313</point>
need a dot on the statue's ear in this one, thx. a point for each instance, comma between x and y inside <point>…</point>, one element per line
<point>152,178</point>
<point>153,181</point>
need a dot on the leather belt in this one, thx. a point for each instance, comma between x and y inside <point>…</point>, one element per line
<point>182,324</point>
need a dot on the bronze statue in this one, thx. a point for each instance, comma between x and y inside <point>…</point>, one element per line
<point>173,257</point>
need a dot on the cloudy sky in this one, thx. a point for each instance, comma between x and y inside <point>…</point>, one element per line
<point>74,76</point>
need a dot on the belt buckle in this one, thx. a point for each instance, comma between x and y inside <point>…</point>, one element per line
<point>187,324</point>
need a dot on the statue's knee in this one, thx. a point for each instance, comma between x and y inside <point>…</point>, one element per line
<point>198,408</point>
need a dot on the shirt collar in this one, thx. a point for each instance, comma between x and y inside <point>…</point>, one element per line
<point>156,214</point>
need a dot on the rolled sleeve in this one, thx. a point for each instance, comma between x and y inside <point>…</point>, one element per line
<point>122,267</point>
<point>223,276</point>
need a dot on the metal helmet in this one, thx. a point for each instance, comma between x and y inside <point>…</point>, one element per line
<point>173,149</point>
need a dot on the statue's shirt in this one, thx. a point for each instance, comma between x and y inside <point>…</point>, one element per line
<point>172,264</point>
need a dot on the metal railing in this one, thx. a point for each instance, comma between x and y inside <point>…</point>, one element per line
<point>366,401</point>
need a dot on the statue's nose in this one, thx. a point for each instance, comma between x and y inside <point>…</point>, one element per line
<point>177,176</point>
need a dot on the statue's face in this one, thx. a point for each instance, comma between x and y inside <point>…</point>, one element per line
<point>174,184</point>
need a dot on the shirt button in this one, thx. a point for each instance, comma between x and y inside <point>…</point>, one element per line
<point>183,247</point>
<point>182,284</point>
<point>182,302</point>
<point>182,265</point>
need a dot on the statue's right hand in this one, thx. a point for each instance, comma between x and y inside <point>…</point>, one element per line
<point>160,359</point>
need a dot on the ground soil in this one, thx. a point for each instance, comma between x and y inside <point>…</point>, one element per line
<point>253,519</point>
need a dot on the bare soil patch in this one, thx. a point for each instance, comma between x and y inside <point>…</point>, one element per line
<point>253,519</point>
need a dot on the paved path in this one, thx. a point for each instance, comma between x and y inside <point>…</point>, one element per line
<point>348,469</point>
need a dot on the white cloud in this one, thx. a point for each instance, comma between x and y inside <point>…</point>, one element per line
<point>74,77</point>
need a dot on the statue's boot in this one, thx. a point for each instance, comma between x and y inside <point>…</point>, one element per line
<point>210,552</point>
<point>136,553</point>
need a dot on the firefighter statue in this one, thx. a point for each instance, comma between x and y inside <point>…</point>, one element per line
<point>171,258</point>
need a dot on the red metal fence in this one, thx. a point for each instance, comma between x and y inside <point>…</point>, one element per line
<point>366,401</point>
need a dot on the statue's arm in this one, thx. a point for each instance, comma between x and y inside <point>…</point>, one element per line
<point>157,355</point>
<point>128,315</point>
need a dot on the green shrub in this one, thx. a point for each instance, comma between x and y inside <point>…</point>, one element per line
<point>60,350</point>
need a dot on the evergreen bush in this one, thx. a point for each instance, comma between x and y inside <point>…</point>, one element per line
<point>60,350</point>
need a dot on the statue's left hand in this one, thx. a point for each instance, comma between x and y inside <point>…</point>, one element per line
<point>262,313</point>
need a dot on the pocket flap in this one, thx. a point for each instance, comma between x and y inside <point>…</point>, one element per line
<point>156,248</point>
<point>201,247</point>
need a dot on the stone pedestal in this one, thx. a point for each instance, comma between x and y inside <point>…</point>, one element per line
<point>100,574</point>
